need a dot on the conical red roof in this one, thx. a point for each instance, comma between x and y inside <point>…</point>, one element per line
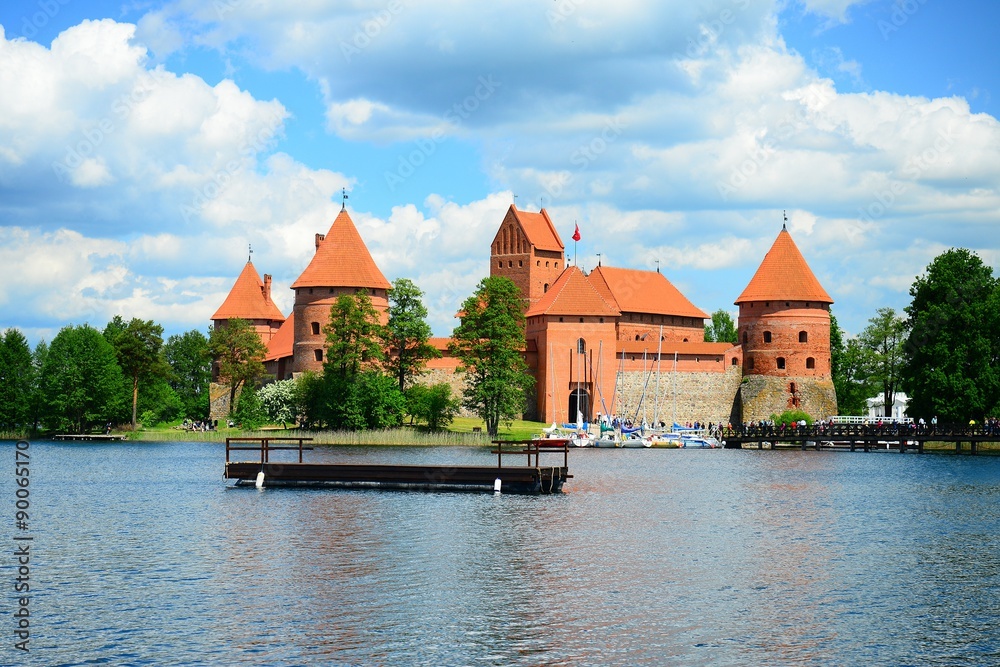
<point>248,299</point>
<point>572,294</point>
<point>342,260</point>
<point>784,276</point>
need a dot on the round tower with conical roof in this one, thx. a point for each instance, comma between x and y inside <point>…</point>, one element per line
<point>784,329</point>
<point>341,265</point>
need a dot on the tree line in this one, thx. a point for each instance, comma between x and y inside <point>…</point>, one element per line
<point>87,378</point>
<point>942,351</point>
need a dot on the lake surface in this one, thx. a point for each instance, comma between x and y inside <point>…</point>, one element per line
<point>142,554</point>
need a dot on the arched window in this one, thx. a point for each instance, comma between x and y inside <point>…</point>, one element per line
<point>581,346</point>
<point>685,340</point>
<point>315,328</point>
<point>319,355</point>
<point>767,336</point>
<point>545,287</point>
<point>734,361</point>
<point>637,336</point>
<point>781,363</point>
<point>803,336</point>
<point>520,262</point>
<point>500,264</point>
<point>510,264</point>
<point>810,363</point>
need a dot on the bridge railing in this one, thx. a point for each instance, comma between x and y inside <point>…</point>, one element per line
<point>828,431</point>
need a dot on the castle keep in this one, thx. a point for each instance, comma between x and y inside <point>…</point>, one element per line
<point>615,340</point>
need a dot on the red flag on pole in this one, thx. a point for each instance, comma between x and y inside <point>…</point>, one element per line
<point>576,233</point>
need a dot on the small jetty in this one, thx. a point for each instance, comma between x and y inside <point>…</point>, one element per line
<point>530,479</point>
<point>90,437</point>
<point>890,436</point>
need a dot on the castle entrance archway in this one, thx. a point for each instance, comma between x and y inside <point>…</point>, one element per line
<point>579,399</point>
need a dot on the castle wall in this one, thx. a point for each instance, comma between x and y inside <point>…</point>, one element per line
<point>761,396</point>
<point>698,396</point>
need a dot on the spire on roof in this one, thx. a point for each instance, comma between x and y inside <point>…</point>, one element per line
<point>342,260</point>
<point>785,218</point>
<point>343,204</point>
<point>250,248</point>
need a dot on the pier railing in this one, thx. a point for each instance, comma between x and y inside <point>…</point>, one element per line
<point>529,448</point>
<point>987,431</point>
<point>264,446</point>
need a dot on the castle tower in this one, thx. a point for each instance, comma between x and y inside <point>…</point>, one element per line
<point>341,265</point>
<point>784,328</point>
<point>527,249</point>
<point>573,328</point>
<point>250,299</point>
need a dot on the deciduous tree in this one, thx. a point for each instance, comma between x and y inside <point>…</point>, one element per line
<point>138,345</point>
<point>190,371</point>
<point>17,381</point>
<point>489,341</point>
<point>952,366</point>
<point>81,380</point>
<point>721,329</point>
<point>239,353</point>
<point>883,340</point>
<point>408,333</point>
<point>354,336</point>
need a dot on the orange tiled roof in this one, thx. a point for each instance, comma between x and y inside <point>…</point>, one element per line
<point>342,260</point>
<point>784,276</point>
<point>572,294</point>
<point>280,345</point>
<point>538,229</point>
<point>247,299</point>
<point>635,291</point>
<point>668,348</point>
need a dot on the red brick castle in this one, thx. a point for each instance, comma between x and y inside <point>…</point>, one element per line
<point>615,340</point>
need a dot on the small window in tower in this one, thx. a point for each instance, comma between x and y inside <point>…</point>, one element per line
<point>538,262</point>
<point>520,262</point>
<point>791,387</point>
<point>319,355</point>
<point>744,337</point>
<point>510,264</point>
<point>602,320</point>
<point>581,346</point>
<point>662,338</point>
<point>500,264</point>
<point>810,363</point>
<point>734,361</point>
<point>781,363</point>
<point>546,264</point>
<point>749,363</point>
<point>545,288</point>
<point>787,305</point>
<point>557,265</point>
<point>315,328</point>
<point>581,320</point>
<point>637,336</point>
<point>767,304</point>
<point>803,336</point>
<point>560,319</point>
<point>767,336</point>
<point>685,340</point>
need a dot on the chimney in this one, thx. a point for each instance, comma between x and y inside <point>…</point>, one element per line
<point>266,289</point>
<point>319,239</point>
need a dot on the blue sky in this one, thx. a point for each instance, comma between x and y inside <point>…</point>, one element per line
<point>144,146</point>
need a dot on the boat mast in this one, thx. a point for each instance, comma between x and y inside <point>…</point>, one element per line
<point>656,392</point>
<point>673,382</point>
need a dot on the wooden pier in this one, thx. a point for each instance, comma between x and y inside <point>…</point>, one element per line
<point>530,479</point>
<point>897,437</point>
<point>90,437</point>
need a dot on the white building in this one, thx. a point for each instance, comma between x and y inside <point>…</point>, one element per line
<point>875,406</point>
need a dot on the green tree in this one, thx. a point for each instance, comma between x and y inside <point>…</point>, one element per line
<point>239,353</point>
<point>138,347</point>
<point>721,329</point>
<point>489,342</point>
<point>853,380</point>
<point>953,347</point>
<point>408,333</point>
<point>309,399</point>
<point>883,339</point>
<point>81,380</point>
<point>433,405</point>
<point>250,415</point>
<point>354,336</point>
<point>190,371</point>
<point>38,356</point>
<point>278,399</point>
<point>17,381</point>
<point>157,398</point>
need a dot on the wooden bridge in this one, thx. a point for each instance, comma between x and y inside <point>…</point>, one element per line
<point>892,436</point>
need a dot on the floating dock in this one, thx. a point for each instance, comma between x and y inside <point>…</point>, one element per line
<point>530,479</point>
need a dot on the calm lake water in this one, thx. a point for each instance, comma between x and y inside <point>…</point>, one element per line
<point>142,554</point>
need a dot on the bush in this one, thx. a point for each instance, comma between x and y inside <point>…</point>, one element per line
<point>791,416</point>
<point>433,405</point>
<point>250,414</point>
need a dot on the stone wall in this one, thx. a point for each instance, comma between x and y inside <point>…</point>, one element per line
<point>700,396</point>
<point>218,401</point>
<point>761,397</point>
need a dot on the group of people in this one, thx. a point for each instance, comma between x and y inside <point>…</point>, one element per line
<point>199,425</point>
